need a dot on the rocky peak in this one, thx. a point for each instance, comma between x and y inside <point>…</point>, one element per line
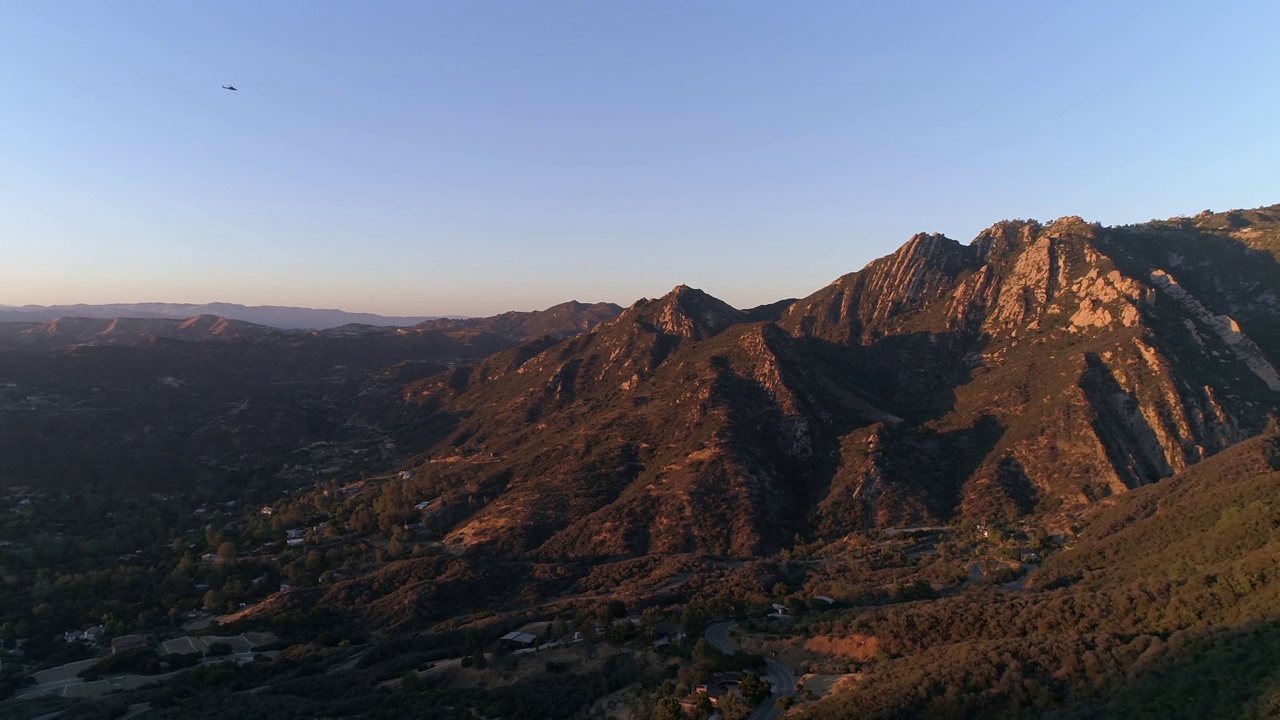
<point>1003,238</point>
<point>924,255</point>
<point>929,245</point>
<point>1071,225</point>
<point>886,296</point>
<point>685,312</point>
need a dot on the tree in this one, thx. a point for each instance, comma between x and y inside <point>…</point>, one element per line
<point>410,682</point>
<point>471,642</point>
<point>395,548</point>
<point>668,708</point>
<point>219,649</point>
<point>213,601</point>
<point>652,617</point>
<point>610,610</point>
<point>694,619</point>
<point>704,653</point>
<point>796,605</point>
<point>754,689</point>
<point>622,632</point>
<point>732,707</point>
<point>227,552</point>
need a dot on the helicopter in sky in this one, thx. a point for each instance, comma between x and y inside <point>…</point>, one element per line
<point>228,87</point>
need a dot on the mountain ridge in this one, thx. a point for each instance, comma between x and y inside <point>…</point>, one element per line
<point>1033,473</point>
<point>1039,367</point>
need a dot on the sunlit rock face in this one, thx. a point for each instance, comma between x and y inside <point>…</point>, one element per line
<point>1040,367</point>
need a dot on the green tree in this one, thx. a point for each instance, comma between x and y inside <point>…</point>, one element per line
<point>395,548</point>
<point>694,619</point>
<point>410,682</point>
<point>704,653</point>
<point>219,649</point>
<point>651,617</point>
<point>732,707</point>
<point>754,689</point>
<point>610,610</point>
<point>213,601</point>
<point>227,552</point>
<point>668,708</point>
<point>471,642</point>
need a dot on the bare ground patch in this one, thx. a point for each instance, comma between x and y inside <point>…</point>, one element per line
<point>860,648</point>
<point>820,654</point>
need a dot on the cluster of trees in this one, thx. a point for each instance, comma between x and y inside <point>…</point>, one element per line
<point>141,661</point>
<point>1209,674</point>
<point>299,691</point>
<point>1164,607</point>
<point>84,559</point>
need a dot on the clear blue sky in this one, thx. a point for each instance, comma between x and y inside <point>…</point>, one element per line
<point>472,157</point>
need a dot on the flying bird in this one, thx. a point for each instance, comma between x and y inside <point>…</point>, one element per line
<point>228,87</point>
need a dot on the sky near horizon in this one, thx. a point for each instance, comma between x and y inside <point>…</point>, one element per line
<point>467,158</point>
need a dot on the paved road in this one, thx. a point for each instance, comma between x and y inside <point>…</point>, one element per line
<point>782,680</point>
<point>718,635</point>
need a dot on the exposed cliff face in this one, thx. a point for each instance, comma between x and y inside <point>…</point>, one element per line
<point>1227,329</point>
<point>1052,339</point>
<point>1040,366</point>
<point>890,296</point>
<point>1010,280</point>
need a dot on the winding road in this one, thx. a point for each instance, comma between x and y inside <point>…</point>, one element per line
<point>782,680</point>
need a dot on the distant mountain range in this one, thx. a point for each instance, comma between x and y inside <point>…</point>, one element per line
<point>285,318</point>
<point>496,332</point>
<point>152,401</point>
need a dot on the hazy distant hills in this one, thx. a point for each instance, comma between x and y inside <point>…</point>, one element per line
<point>504,330</point>
<point>269,315</point>
<point>73,331</point>
<point>153,403</point>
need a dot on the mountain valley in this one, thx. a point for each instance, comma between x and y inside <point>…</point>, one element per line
<point>1034,475</point>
